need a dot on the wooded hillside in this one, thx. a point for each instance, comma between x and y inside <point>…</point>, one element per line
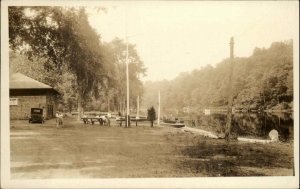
<point>262,81</point>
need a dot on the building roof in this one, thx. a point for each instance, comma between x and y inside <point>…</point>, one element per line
<point>20,81</point>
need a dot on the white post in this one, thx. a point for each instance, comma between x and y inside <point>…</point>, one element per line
<point>138,108</point>
<point>158,114</point>
<point>127,83</point>
<point>127,74</point>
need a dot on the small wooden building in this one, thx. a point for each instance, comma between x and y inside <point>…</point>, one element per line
<point>26,93</point>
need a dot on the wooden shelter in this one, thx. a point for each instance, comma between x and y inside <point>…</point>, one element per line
<point>26,93</point>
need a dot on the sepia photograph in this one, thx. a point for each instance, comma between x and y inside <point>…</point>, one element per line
<point>148,94</point>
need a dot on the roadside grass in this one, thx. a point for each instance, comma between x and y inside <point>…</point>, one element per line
<point>93,151</point>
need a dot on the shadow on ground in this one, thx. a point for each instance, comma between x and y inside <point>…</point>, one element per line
<point>218,158</point>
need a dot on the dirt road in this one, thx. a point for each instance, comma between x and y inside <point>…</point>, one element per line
<point>93,151</point>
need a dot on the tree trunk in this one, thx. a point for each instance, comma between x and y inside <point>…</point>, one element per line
<point>120,107</point>
<point>79,106</point>
<point>228,125</point>
<point>108,108</point>
<point>151,123</point>
<point>264,101</point>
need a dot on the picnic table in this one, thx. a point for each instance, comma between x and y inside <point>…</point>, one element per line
<point>92,120</point>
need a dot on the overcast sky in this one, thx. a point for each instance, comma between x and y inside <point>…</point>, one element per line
<point>174,37</point>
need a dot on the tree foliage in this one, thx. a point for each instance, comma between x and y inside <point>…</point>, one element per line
<point>117,55</point>
<point>61,42</point>
<point>261,81</point>
<point>63,37</point>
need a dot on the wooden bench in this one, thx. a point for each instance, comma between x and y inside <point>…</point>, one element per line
<point>132,119</point>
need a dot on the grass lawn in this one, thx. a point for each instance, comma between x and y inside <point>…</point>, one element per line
<point>94,151</point>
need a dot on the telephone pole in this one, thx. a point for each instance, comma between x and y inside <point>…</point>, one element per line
<point>158,114</point>
<point>229,105</point>
<point>127,75</point>
<point>138,107</point>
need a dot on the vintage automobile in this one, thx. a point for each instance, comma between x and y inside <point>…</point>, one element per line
<point>36,115</point>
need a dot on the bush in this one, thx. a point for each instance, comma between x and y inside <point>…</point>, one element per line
<point>151,115</point>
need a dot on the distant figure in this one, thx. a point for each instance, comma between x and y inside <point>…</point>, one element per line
<point>59,119</point>
<point>98,118</point>
<point>85,121</point>
<point>119,118</point>
<point>102,119</point>
<point>193,123</point>
<point>108,120</point>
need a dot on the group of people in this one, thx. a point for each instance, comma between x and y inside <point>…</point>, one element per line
<point>103,119</point>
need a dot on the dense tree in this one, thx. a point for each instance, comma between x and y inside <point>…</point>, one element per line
<point>35,31</point>
<point>117,47</point>
<point>85,56</point>
<point>33,68</point>
<point>64,38</point>
<point>71,57</point>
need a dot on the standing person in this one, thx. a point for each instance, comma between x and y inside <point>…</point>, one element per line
<point>108,120</point>
<point>120,117</point>
<point>85,120</point>
<point>61,115</point>
<point>98,118</point>
<point>102,119</point>
<point>57,119</point>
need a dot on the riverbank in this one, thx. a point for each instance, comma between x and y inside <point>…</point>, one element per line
<point>93,151</point>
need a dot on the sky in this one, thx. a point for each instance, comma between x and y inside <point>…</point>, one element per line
<point>174,37</point>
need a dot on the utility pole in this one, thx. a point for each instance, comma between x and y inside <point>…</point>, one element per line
<point>138,107</point>
<point>229,106</point>
<point>127,85</point>
<point>158,114</point>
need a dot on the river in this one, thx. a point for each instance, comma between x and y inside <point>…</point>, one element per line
<point>253,125</point>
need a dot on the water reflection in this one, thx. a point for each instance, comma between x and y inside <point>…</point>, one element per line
<point>246,124</point>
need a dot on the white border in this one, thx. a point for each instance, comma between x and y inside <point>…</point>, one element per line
<point>205,182</point>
